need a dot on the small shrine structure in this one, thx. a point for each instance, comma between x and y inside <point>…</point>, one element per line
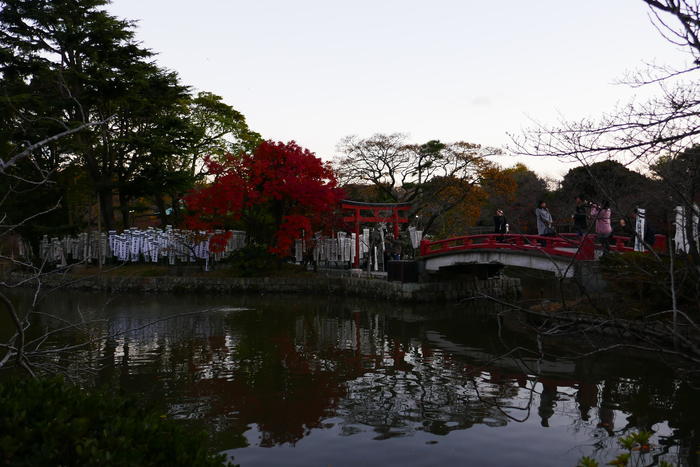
<point>357,212</point>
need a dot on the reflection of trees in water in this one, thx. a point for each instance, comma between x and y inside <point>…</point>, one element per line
<point>421,392</point>
<point>288,367</point>
<point>403,385</point>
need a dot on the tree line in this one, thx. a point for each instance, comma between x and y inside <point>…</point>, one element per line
<point>67,63</point>
<point>454,187</point>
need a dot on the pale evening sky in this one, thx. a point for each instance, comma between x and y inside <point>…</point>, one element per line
<point>316,71</point>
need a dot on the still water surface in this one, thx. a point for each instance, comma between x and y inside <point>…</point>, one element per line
<point>297,381</point>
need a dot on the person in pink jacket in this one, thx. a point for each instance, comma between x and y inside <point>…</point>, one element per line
<point>603,228</point>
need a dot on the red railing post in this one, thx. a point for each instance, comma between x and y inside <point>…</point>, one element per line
<point>620,243</point>
<point>587,249</point>
<point>424,246</point>
<point>659,243</point>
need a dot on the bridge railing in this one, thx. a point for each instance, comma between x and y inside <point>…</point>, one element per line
<point>567,245</point>
<point>560,246</point>
<point>625,244</point>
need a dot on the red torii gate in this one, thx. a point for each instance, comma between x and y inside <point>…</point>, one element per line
<point>376,210</point>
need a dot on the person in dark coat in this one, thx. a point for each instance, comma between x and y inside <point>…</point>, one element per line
<point>395,248</point>
<point>649,234</point>
<point>580,216</point>
<point>623,229</point>
<point>500,222</point>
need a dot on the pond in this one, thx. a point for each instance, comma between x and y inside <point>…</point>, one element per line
<point>302,381</point>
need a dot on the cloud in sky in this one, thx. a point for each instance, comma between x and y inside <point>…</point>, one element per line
<point>481,101</point>
<point>316,71</point>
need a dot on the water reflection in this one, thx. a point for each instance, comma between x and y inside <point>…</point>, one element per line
<point>343,382</point>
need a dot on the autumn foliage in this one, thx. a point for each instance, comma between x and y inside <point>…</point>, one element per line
<point>273,193</point>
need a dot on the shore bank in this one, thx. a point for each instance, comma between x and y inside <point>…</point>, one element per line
<point>317,284</point>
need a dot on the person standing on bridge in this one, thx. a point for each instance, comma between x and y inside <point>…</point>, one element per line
<point>500,225</point>
<point>603,229</point>
<point>545,225</point>
<point>580,217</point>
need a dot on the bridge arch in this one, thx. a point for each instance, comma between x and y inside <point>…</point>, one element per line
<point>555,254</point>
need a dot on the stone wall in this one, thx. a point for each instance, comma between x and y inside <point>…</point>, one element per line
<point>502,287</point>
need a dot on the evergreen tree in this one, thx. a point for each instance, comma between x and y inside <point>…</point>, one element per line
<point>67,62</point>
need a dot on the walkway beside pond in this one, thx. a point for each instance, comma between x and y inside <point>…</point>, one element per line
<point>317,284</point>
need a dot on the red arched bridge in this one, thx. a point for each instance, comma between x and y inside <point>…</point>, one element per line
<point>556,254</point>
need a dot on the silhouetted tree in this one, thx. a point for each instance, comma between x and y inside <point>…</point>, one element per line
<point>416,174</point>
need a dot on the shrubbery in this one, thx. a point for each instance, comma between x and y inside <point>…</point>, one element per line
<point>50,422</point>
<point>253,260</point>
<point>643,282</point>
<point>258,261</point>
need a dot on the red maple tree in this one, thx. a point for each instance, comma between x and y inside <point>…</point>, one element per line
<point>275,192</point>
